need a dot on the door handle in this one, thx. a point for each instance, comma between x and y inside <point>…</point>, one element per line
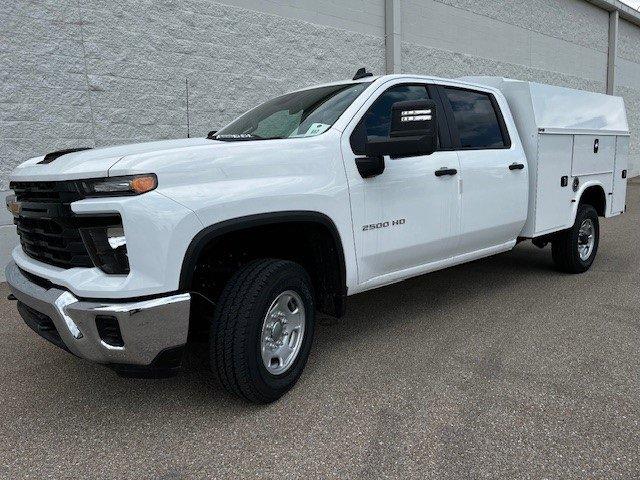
<point>516,166</point>
<point>446,171</point>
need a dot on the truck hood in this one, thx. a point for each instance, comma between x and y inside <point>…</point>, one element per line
<point>200,163</point>
<point>96,162</point>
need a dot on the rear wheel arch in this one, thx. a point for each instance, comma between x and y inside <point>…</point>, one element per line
<point>594,195</point>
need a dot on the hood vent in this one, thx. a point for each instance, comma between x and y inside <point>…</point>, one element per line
<point>50,157</point>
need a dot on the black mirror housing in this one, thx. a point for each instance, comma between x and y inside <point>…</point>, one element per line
<point>414,131</point>
<point>370,166</point>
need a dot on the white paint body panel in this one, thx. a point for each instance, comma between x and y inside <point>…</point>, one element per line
<point>93,163</point>
<point>586,161</point>
<point>553,202</point>
<point>618,202</point>
<point>449,220</point>
<point>492,219</point>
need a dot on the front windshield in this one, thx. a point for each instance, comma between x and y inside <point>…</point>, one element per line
<point>306,113</point>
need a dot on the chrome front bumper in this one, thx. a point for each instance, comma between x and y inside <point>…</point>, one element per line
<point>148,327</point>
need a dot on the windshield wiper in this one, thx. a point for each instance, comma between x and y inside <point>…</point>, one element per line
<point>243,137</point>
<point>232,137</point>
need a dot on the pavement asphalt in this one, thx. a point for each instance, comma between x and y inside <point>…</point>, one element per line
<point>501,368</point>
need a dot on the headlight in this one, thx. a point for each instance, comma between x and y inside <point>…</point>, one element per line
<point>107,247</point>
<point>118,186</point>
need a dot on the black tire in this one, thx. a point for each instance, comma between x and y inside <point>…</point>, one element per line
<point>234,343</point>
<point>564,247</point>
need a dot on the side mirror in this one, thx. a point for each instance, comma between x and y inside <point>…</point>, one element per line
<point>370,166</point>
<point>414,131</point>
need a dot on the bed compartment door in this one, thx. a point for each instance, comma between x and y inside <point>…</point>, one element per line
<point>619,197</point>
<point>553,198</point>
<point>593,154</point>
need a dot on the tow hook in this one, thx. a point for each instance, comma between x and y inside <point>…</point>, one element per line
<point>539,242</point>
<point>11,297</point>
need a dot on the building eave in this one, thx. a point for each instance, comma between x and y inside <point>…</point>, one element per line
<point>626,12</point>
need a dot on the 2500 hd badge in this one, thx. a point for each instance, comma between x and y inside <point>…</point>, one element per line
<point>392,223</point>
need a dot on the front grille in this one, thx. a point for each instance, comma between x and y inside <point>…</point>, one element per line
<point>49,230</point>
<point>47,227</point>
<point>55,192</point>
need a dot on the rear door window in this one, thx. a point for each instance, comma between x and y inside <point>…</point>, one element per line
<point>476,119</point>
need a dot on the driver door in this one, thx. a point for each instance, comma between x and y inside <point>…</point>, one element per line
<point>409,216</point>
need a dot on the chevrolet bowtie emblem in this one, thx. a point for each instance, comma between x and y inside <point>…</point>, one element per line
<point>14,206</point>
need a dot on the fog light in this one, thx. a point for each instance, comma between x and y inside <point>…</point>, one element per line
<point>109,331</point>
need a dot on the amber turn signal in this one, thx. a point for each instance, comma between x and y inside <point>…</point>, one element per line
<point>144,183</point>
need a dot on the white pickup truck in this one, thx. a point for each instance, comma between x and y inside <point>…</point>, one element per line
<point>128,254</point>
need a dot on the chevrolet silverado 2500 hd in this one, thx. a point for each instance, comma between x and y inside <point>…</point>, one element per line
<point>129,253</point>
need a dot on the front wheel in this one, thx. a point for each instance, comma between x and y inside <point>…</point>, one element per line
<point>263,329</point>
<point>574,250</point>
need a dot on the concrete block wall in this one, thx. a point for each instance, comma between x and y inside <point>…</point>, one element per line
<point>563,43</point>
<point>568,38</point>
<point>95,73</point>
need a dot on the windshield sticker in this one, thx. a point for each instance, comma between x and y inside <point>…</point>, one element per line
<point>317,129</point>
<point>314,129</point>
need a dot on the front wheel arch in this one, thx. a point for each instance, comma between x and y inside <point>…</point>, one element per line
<point>332,290</point>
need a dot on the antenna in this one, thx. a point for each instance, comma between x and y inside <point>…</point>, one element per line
<point>186,83</point>
<point>362,73</point>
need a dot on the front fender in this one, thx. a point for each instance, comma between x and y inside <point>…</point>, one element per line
<point>210,233</point>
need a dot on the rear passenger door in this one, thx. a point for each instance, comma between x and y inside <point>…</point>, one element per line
<point>493,175</point>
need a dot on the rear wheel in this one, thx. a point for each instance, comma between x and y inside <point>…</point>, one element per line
<point>263,329</point>
<point>574,250</point>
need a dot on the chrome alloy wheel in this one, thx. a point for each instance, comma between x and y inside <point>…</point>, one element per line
<point>282,332</point>
<point>586,239</point>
